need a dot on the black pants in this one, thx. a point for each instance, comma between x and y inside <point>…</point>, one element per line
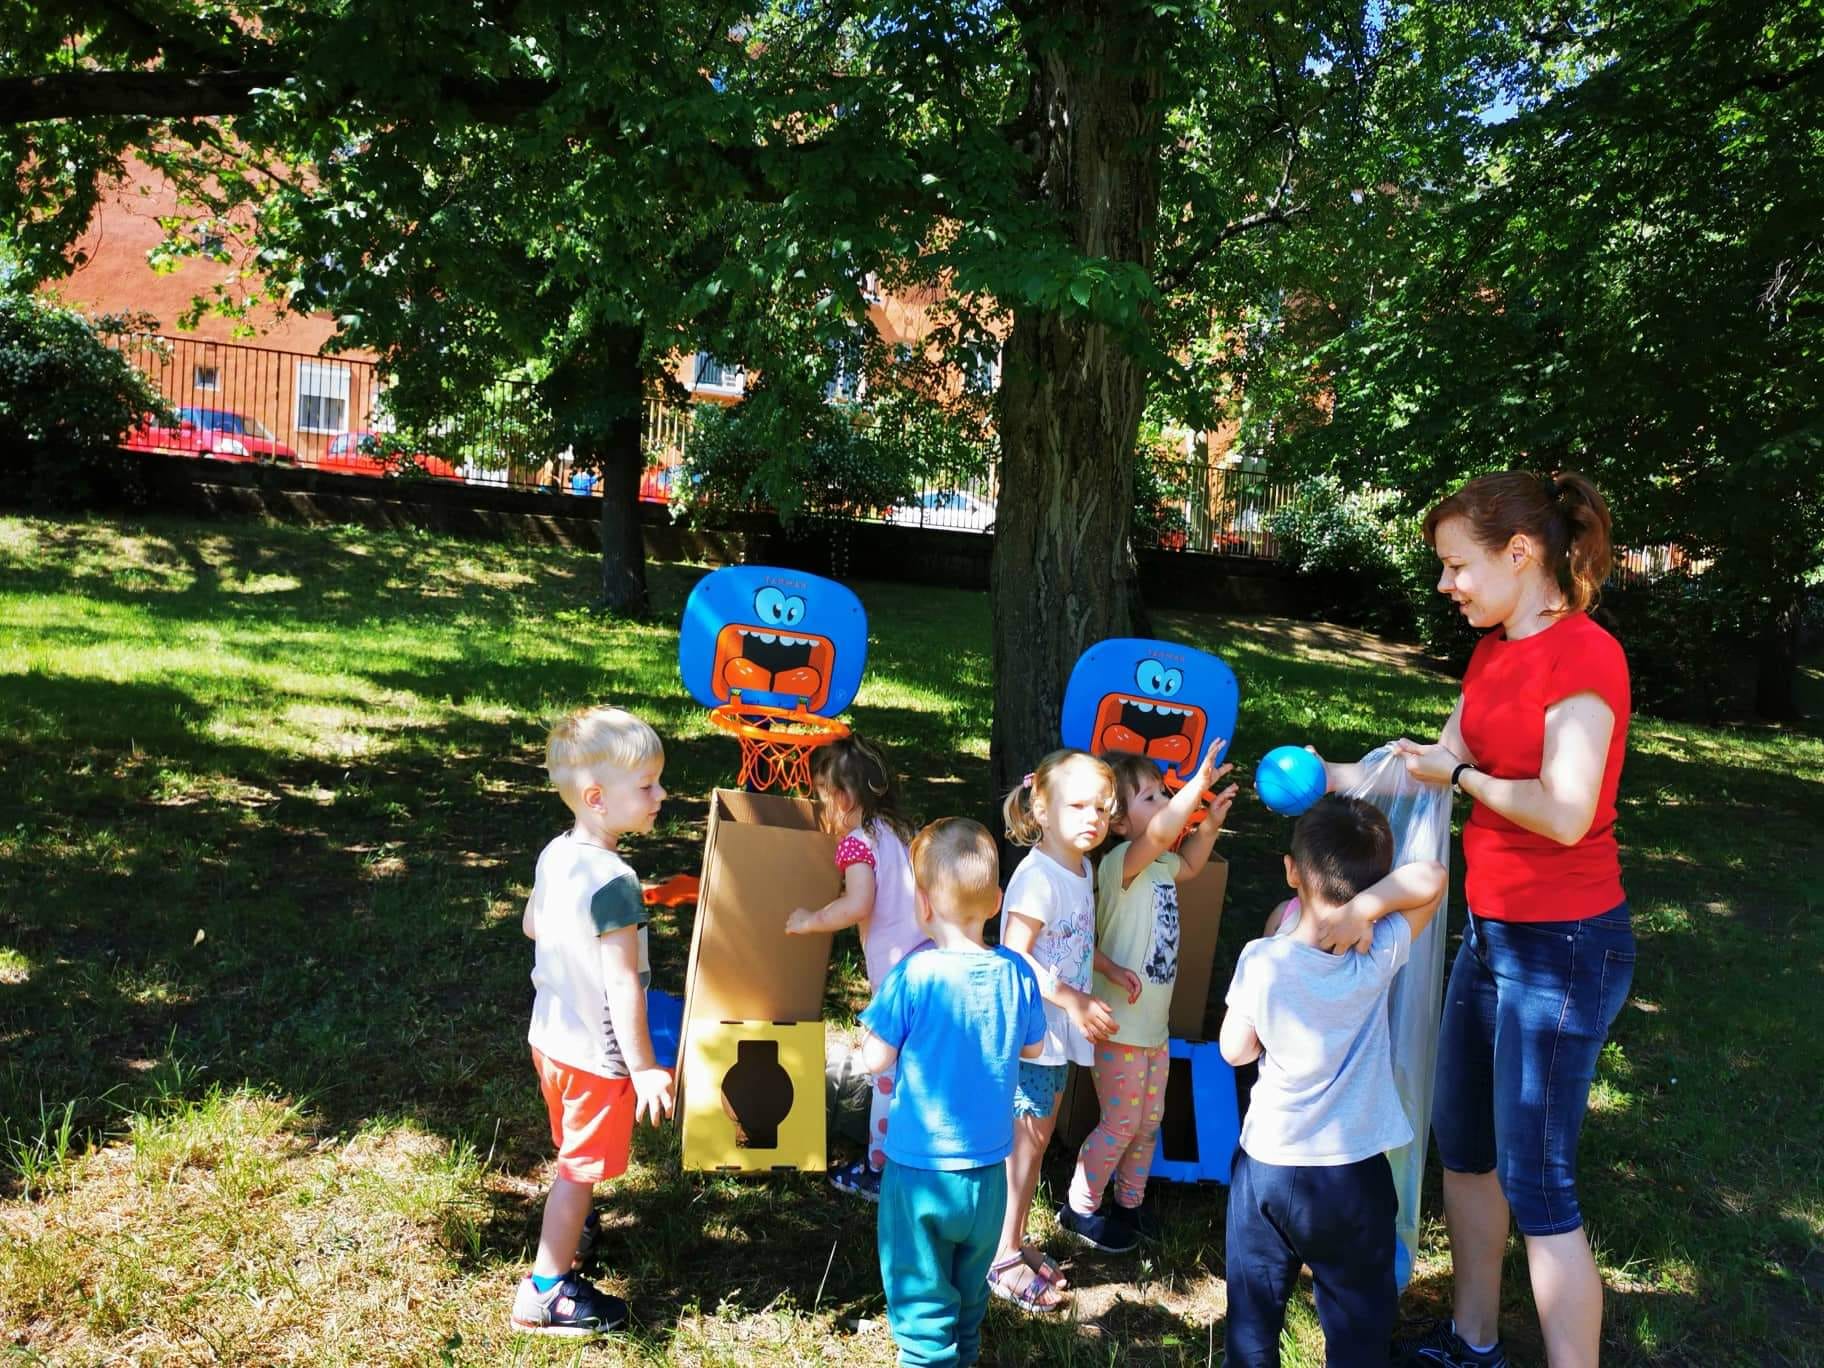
<point>1339,1220</point>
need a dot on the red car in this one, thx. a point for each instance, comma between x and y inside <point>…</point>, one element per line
<point>217,433</point>
<point>365,453</point>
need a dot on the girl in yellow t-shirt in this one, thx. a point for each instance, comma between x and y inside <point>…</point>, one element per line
<point>1136,967</point>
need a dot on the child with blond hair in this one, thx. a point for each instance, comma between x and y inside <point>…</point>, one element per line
<point>590,1044</point>
<point>955,1020</point>
<point>1062,811</point>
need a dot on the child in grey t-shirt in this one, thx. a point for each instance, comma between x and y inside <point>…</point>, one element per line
<point>1312,1184</point>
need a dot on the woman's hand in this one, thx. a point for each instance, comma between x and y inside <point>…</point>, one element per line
<point>1430,764</point>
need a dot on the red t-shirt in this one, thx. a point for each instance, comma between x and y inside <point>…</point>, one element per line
<point>1514,874</point>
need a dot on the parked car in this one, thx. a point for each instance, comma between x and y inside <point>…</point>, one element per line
<point>218,433</point>
<point>956,510</point>
<point>365,452</point>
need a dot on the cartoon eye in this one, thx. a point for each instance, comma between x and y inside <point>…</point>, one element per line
<point>1150,675</point>
<point>1173,681</point>
<point>794,611</point>
<point>770,604</point>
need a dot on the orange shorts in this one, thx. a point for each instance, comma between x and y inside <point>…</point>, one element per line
<point>591,1120</point>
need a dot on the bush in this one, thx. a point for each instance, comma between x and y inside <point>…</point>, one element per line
<point>60,386</point>
<point>1689,645</point>
<point>1352,553</point>
<point>809,460</point>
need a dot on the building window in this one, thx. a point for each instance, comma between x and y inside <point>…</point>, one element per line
<point>207,377</point>
<point>982,372</point>
<point>322,397</point>
<point>845,382</point>
<point>716,375</point>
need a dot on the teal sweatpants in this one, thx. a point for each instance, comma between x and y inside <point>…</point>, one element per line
<point>938,1230</point>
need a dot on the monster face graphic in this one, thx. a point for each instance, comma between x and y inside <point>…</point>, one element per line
<point>1151,698</point>
<point>775,637</point>
<point>1146,721</point>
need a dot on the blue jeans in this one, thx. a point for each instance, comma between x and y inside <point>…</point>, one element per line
<point>1338,1218</point>
<point>1526,1012</point>
<point>937,1233</point>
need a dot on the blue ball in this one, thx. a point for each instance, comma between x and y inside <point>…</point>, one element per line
<point>1289,779</point>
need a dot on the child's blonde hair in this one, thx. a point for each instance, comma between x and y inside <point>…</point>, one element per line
<point>598,738</point>
<point>854,767</point>
<point>958,869</point>
<point>1017,809</point>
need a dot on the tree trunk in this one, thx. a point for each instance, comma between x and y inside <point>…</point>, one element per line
<point>623,543</point>
<point>601,390</point>
<point>1064,575</point>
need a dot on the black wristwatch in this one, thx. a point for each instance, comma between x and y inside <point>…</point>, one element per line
<point>1457,774</point>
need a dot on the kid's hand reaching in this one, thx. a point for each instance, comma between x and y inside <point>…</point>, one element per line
<point>1346,928</point>
<point>1207,773</point>
<point>1126,980</point>
<point>1092,1017</point>
<point>1218,811</point>
<point>801,922</point>
<point>651,1095</point>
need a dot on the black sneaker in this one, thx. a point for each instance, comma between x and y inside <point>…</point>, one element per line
<point>1143,1220</point>
<point>858,1180</point>
<point>1443,1347</point>
<point>574,1309</point>
<point>1098,1231</point>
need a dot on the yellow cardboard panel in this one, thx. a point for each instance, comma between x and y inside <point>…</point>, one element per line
<point>753,1096</point>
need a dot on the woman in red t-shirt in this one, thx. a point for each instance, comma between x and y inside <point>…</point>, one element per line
<point>1536,740</point>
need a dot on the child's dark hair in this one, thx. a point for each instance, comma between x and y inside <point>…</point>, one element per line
<point>1341,846</point>
<point>854,766</point>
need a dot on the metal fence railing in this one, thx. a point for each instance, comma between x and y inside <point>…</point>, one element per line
<point>238,402</point>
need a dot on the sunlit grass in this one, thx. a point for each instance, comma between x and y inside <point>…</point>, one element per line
<point>273,797</point>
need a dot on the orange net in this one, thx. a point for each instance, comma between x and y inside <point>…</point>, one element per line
<point>776,743</point>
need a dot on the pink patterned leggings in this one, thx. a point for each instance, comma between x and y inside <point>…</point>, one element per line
<point>1130,1084</point>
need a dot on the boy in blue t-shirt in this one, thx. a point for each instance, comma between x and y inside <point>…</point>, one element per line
<point>956,1019</point>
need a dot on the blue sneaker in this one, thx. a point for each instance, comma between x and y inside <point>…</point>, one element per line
<point>573,1309</point>
<point>1143,1220</point>
<point>858,1180</point>
<point>1098,1231</point>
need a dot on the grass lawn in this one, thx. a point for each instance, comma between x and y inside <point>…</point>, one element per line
<point>272,798</point>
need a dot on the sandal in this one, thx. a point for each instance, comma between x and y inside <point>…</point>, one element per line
<point>1031,1295</point>
<point>1043,1264</point>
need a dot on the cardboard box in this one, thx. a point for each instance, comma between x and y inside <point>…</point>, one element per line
<point>764,856</point>
<point>747,981</point>
<point>1199,925</point>
<point>754,1097</point>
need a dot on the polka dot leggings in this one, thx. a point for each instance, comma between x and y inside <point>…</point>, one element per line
<point>880,1098</point>
<point>1130,1084</point>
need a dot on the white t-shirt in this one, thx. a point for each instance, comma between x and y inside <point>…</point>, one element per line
<point>581,892</point>
<point>1064,904</point>
<point>1325,1093</point>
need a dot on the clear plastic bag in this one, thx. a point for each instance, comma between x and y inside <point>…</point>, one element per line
<point>1420,816</point>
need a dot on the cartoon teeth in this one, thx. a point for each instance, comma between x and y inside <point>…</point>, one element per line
<point>780,637</point>
<point>1158,708</point>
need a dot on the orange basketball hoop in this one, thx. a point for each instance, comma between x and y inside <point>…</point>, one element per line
<point>776,743</point>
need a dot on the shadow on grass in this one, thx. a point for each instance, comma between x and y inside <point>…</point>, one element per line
<point>361,948</point>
